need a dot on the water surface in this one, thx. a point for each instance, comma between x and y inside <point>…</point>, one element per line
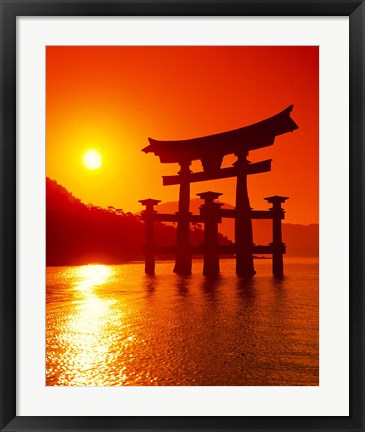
<point>113,325</point>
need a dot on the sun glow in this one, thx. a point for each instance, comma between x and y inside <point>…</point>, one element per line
<point>92,159</point>
<point>92,276</point>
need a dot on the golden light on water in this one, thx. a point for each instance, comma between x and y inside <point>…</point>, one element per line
<point>86,334</point>
<point>113,326</point>
<point>92,276</point>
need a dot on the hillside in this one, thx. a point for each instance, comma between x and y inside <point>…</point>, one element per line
<point>77,233</point>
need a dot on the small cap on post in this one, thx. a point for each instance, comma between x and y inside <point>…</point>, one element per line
<point>149,202</point>
<point>276,199</point>
<point>209,196</point>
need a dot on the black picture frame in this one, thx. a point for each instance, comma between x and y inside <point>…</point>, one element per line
<point>10,10</point>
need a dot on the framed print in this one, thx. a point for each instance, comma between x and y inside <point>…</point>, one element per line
<point>182,204</point>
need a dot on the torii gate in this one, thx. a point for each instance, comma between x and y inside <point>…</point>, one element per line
<point>210,150</point>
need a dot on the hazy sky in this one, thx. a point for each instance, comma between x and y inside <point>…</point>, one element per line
<point>113,98</point>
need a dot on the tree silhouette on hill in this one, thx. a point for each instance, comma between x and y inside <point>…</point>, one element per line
<point>78,233</point>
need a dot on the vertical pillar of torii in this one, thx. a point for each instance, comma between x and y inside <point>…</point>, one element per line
<point>243,223</point>
<point>183,248</point>
<point>211,217</point>
<point>147,216</point>
<point>278,246</point>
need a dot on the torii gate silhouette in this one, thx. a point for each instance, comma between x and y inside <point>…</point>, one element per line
<point>210,150</point>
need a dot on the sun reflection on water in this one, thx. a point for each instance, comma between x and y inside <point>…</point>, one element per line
<point>89,330</point>
<point>113,326</point>
<point>91,276</point>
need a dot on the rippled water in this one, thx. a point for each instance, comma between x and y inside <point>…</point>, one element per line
<point>113,325</point>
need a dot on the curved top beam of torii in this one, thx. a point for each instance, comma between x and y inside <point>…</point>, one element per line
<point>255,136</point>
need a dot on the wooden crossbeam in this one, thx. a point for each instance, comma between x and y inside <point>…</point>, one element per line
<point>261,214</point>
<point>172,249</point>
<point>263,249</point>
<point>228,249</point>
<point>264,214</point>
<point>255,214</point>
<point>225,249</point>
<point>225,213</point>
<point>228,213</point>
<point>257,249</point>
<point>253,168</point>
<point>165,217</point>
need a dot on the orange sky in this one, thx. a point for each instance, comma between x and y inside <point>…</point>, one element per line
<point>114,98</point>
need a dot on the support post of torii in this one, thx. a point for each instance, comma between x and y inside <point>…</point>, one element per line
<point>243,223</point>
<point>183,248</point>
<point>147,216</point>
<point>277,243</point>
<point>211,217</point>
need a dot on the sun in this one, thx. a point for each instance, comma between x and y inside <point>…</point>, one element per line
<point>92,159</point>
